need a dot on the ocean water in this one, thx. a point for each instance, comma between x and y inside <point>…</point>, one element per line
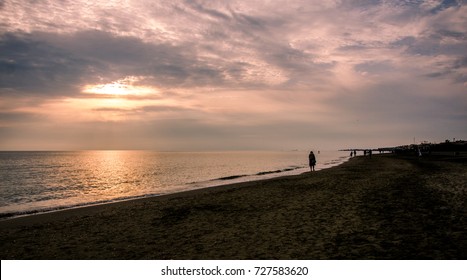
<point>32,182</point>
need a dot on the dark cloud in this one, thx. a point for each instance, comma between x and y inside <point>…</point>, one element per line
<point>55,64</point>
<point>206,11</point>
<point>461,63</point>
<point>405,41</point>
<point>445,4</point>
<point>456,70</point>
<point>446,42</point>
<point>359,4</point>
<point>438,74</point>
<point>452,34</point>
<point>357,47</point>
<point>115,57</point>
<point>28,65</point>
<point>407,5</point>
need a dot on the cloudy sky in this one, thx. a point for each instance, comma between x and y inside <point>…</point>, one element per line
<point>231,75</point>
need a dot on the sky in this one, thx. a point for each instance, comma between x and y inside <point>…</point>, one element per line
<point>231,75</point>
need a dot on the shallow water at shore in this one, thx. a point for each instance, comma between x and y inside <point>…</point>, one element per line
<point>42,181</point>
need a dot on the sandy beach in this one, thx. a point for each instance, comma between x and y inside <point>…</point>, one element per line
<point>384,207</point>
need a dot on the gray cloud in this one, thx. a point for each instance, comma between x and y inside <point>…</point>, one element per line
<point>28,65</point>
<point>59,64</point>
<point>378,67</point>
<point>445,4</point>
<point>117,56</point>
<point>15,118</point>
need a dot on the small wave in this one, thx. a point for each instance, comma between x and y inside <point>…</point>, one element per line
<point>233,177</point>
<point>279,170</point>
<point>7,215</point>
<point>230,177</point>
<point>268,172</point>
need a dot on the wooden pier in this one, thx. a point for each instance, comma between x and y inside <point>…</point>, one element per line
<point>457,148</point>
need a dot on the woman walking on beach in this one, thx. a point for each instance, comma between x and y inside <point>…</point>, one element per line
<point>312,161</point>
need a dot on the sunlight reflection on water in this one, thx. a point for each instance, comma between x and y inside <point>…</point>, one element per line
<point>35,181</point>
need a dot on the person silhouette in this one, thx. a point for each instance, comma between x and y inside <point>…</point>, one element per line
<point>312,161</point>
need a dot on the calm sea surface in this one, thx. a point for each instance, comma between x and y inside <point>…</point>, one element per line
<point>41,181</point>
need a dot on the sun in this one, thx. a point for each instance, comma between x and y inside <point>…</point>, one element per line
<point>125,86</point>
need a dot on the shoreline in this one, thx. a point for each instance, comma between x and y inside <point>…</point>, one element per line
<point>385,207</point>
<point>218,182</point>
<point>96,207</point>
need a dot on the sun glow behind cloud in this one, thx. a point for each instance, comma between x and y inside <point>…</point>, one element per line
<point>125,86</point>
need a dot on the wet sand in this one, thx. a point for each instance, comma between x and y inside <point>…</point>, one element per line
<point>384,207</point>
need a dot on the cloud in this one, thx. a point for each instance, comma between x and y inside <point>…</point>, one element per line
<point>28,65</point>
<point>18,118</point>
<point>240,70</point>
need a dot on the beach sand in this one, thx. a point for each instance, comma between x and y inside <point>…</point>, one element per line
<point>384,207</point>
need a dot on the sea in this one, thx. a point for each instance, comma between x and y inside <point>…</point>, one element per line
<point>36,182</point>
